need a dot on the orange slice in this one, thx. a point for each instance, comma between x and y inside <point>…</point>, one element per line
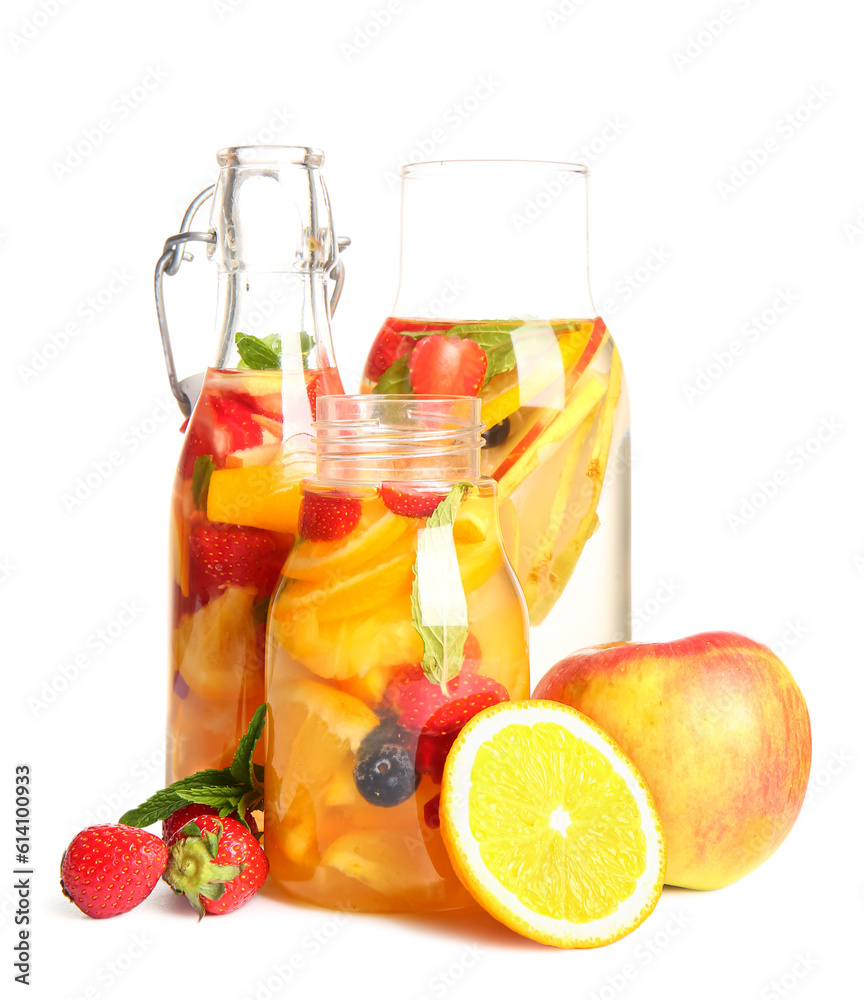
<point>550,826</point>
<point>376,531</point>
<point>258,496</point>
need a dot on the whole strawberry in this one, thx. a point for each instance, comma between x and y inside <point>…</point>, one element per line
<point>217,864</point>
<point>109,870</point>
<point>424,707</point>
<point>409,502</point>
<point>172,825</point>
<point>328,517</point>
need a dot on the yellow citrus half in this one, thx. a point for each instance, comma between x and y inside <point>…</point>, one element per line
<point>550,826</point>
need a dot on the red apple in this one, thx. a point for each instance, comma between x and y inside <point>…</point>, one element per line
<point>720,731</point>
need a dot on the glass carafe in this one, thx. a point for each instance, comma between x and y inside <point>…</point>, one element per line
<point>248,441</point>
<point>397,618</point>
<point>494,299</point>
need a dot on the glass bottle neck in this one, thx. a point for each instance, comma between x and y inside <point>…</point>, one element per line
<point>494,239</point>
<point>290,308</point>
<point>369,439</point>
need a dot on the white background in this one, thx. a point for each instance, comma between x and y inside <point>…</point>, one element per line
<point>791,575</point>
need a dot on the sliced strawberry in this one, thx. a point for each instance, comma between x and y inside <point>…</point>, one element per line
<point>472,652</point>
<point>195,444</point>
<point>389,345</point>
<point>430,812</point>
<point>432,750</point>
<point>481,692</point>
<point>408,502</point>
<point>447,366</point>
<point>234,427</point>
<point>423,707</point>
<point>326,517</point>
<point>313,390</point>
<point>227,554</point>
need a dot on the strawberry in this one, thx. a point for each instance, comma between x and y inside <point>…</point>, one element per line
<point>177,820</point>
<point>109,870</point>
<point>430,812</point>
<point>217,864</point>
<point>472,653</point>
<point>432,750</point>
<point>327,517</point>
<point>409,502</point>
<point>313,389</point>
<point>234,428</point>
<point>389,345</point>
<point>195,444</point>
<point>423,707</point>
<point>228,554</point>
<point>447,366</point>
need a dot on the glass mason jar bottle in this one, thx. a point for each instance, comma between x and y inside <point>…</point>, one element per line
<point>248,442</point>
<point>494,299</point>
<point>397,618</point>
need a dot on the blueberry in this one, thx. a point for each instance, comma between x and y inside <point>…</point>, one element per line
<point>497,433</point>
<point>384,772</point>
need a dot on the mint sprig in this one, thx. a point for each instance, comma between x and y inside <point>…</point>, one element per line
<point>494,336</point>
<point>395,378</point>
<point>201,472</point>
<point>260,353</point>
<point>233,789</point>
<point>439,611</point>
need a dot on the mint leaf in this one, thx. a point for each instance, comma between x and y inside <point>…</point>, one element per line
<point>439,611</point>
<point>237,788</point>
<point>395,378</point>
<point>499,360</point>
<point>260,353</point>
<point>307,345</point>
<point>201,472</point>
<point>241,765</point>
<point>158,806</point>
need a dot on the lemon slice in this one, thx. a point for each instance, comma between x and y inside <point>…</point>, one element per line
<point>550,826</point>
